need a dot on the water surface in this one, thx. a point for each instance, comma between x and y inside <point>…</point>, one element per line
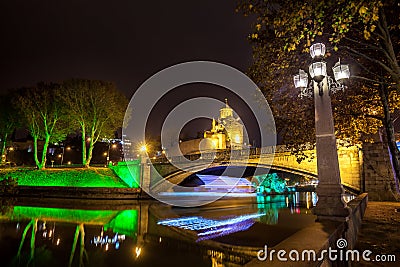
<point>147,233</point>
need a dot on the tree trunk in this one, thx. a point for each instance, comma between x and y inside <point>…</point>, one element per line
<point>3,149</point>
<point>91,144</point>
<point>90,151</point>
<point>44,152</point>
<point>83,146</point>
<point>391,139</point>
<point>35,151</point>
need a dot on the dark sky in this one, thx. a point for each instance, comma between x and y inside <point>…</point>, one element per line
<point>124,41</point>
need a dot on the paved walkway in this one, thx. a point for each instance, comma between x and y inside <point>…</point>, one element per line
<point>380,232</point>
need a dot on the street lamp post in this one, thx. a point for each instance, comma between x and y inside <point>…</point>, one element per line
<point>108,152</point>
<point>10,149</point>
<point>144,179</point>
<point>330,192</point>
<point>62,155</point>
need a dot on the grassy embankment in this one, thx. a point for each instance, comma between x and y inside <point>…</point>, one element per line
<point>117,176</point>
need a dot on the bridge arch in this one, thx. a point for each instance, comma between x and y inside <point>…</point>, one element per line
<point>350,162</point>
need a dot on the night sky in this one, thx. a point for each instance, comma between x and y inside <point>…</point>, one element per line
<point>122,41</point>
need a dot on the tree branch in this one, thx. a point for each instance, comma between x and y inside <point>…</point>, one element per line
<point>366,79</point>
<point>389,70</point>
<point>372,47</point>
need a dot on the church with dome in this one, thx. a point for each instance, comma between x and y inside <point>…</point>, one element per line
<point>226,133</point>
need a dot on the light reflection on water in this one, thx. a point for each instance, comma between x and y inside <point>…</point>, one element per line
<point>135,236</point>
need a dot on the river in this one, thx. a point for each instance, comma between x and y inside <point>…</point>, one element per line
<point>229,232</point>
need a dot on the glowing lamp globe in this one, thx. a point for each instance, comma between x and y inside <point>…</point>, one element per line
<point>301,79</point>
<point>317,50</point>
<point>341,71</point>
<point>317,71</point>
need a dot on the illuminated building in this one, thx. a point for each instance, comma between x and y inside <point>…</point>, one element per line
<point>127,148</point>
<point>227,131</point>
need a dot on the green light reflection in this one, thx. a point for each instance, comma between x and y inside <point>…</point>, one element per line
<point>124,222</point>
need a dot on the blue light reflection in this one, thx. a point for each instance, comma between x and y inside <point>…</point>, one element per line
<point>209,228</point>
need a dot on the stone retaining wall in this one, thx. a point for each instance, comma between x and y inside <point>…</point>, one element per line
<point>377,172</point>
<point>79,192</point>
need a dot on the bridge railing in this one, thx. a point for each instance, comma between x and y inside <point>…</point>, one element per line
<point>222,155</point>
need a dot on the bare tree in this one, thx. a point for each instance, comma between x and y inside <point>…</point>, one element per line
<point>97,108</point>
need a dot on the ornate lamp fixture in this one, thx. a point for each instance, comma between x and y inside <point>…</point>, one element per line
<point>330,205</point>
<point>318,73</point>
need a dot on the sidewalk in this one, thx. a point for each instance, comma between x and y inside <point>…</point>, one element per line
<point>380,232</point>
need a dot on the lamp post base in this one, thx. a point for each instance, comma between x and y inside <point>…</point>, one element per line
<point>330,205</point>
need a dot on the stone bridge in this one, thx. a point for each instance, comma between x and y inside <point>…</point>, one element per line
<point>350,161</point>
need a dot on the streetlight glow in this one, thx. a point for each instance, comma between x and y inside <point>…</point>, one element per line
<point>317,50</point>
<point>318,71</point>
<point>301,79</point>
<point>143,148</point>
<point>138,251</point>
<point>341,71</point>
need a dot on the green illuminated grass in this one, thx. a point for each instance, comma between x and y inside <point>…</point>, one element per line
<point>93,177</point>
<point>129,172</point>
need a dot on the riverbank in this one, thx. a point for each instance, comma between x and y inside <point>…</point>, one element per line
<point>68,183</point>
<point>380,233</point>
<point>64,177</point>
